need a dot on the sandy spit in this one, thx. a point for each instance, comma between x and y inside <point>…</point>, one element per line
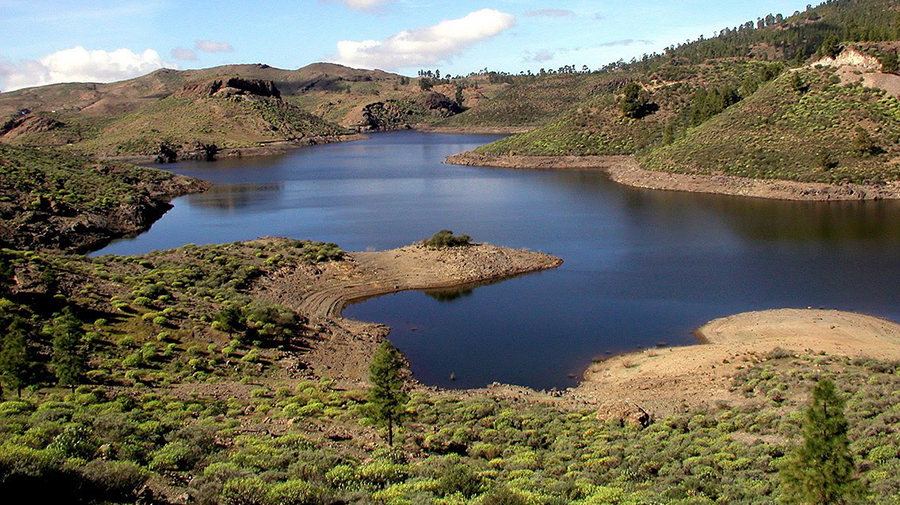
<point>663,381</point>
<point>626,170</point>
<point>320,292</point>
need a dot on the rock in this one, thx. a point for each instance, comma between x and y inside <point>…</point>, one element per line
<point>234,86</point>
<point>625,413</point>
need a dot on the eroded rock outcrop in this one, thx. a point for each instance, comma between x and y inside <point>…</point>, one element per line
<point>234,86</point>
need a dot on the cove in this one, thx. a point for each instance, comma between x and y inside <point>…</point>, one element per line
<point>642,267</point>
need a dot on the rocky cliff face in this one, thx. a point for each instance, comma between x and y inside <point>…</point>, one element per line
<point>234,86</point>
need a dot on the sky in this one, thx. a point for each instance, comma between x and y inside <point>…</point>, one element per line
<point>48,41</point>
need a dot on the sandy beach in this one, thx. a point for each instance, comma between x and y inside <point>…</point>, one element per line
<point>663,381</point>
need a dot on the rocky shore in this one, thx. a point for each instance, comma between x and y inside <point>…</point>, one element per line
<point>54,225</point>
<point>626,170</point>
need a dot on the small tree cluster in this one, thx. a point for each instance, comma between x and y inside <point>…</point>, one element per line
<point>446,238</point>
<point>69,354</point>
<point>635,102</point>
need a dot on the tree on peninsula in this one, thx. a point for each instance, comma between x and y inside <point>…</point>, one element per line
<point>387,400</point>
<point>821,470</point>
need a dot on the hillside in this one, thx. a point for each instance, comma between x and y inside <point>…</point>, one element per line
<point>173,110</point>
<point>806,126</point>
<point>674,94</point>
<point>528,101</point>
<point>765,131</point>
<point>196,386</point>
<point>55,200</point>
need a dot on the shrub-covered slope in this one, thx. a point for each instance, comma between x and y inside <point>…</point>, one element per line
<point>58,200</point>
<point>672,96</point>
<point>805,126</point>
<point>192,390</point>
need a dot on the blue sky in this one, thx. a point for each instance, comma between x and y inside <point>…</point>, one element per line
<point>45,41</point>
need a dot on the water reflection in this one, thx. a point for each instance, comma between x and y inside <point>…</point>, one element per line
<point>236,196</point>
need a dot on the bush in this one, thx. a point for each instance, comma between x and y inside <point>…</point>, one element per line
<point>445,238</point>
<point>244,491</point>
<point>115,481</point>
<point>294,491</point>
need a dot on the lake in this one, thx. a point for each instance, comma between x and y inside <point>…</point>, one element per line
<point>642,268</point>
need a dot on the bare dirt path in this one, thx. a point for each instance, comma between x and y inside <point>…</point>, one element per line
<point>626,170</point>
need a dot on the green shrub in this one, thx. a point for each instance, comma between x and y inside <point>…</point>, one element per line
<point>445,238</point>
<point>244,491</point>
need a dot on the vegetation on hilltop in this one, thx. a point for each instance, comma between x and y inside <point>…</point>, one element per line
<point>705,107</point>
<point>804,126</point>
<point>446,238</point>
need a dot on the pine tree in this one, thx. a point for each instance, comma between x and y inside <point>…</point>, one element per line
<point>821,470</point>
<point>635,101</point>
<point>387,400</point>
<point>69,359</point>
<point>16,362</point>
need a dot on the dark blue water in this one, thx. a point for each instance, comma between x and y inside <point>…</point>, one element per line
<point>641,267</point>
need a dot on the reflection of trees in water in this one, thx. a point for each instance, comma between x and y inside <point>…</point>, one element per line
<point>235,196</point>
<point>449,295</point>
<point>832,223</point>
<point>759,219</point>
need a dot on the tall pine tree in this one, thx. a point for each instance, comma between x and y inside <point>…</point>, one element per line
<point>387,400</point>
<point>821,470</point>
<point>17,365</point>
<point>69,357</point>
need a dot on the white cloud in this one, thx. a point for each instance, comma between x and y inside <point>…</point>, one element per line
<point>549,13</point>
<point>364,5</point>
<point>78,65</point>
<point>211,46</point>
<point>425,46</point>
<point>183,53</point>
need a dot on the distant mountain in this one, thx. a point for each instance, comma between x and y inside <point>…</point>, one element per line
<point>167,110</point>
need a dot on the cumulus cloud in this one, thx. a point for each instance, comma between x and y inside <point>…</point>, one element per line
<point>211,46</point>
<point>78,65</point>
<point>363,5</point>
<point>425,46</point>
<point>183,53</point>
<point>549,13</point>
